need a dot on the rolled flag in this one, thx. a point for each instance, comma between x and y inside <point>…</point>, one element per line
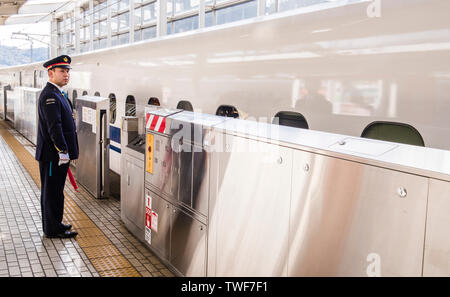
<point>72,180</point>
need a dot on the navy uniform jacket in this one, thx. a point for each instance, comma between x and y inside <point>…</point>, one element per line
<point>56,126</point>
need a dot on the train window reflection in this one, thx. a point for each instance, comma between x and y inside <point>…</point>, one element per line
<point>209,19</point>
<point>291,119</point>
<point>149,32</point>
<point>124,38</point>
<point>148,12</point>
<point>343,97</point>
<point>293,4</point>
<point>123,4</point>
<point>124,21</point>
<point>130,106</point>
<point>236,12</point>
<point>137,35</point>
<point>227,111</point>
<point>183,5</point>
<point>182,25</point>
<point>112,108</point>
<point>394,132</point>
<point>270,7</point>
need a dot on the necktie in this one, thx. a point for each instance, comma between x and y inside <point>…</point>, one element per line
<point>67,98</point>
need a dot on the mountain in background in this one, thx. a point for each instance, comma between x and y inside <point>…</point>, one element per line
<point>10,55</point>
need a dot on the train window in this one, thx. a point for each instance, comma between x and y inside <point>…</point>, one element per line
<point>227,111</point>
<point>97,94</point>
<point>185,105</point>
<point>130,106</point>
<point>85,93</point>
<point>291,119</point>
<point>112,108</point>
<point>153,101</point>
<point>392,131</point>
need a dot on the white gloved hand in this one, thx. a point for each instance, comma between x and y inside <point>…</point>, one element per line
<point>63,159</point>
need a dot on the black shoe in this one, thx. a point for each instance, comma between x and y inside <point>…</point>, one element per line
<point>65,234</point>
<point>66,227</point>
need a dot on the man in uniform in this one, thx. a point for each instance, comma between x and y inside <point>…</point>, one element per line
<point>57,144</point>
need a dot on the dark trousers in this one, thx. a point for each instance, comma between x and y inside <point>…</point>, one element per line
<point>53,178</point>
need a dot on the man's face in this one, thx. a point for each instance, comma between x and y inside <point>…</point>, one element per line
<point>59,76</point>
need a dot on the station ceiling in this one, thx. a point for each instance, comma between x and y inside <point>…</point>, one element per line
<point>27,12</point>
<point>8,8</point>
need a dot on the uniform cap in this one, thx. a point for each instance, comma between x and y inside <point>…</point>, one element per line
<point>61,61</point>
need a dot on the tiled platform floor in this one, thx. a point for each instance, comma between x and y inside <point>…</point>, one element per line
<point>24,251</point>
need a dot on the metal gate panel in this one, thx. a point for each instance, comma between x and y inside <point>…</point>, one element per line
<point>437,243</point>
<point>353,219</point>
<point>249,209</point>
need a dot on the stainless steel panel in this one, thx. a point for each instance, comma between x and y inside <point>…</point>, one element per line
<point>129,130</point>
<point>18,110</point>
<point>2,101</point>
<point>175,179</point>
<point>132,199</point>
<point>185,176</point>
<point>166,167</point>
<point>191,127</point>
<point>87,161</point>
<point>352,219</point>
<point>11,97</point>
<point>130,124</point>
<point>161,237</point>
<point>30,100</point>
<point>408,158</point>
<point>249,210</point>
<point>162,166</point>
<point>437,241</point>
<point>26,112</point>
<point>188,244</point>
<point>189,131</point>
<point>93,140</point>
<point>200,180</point>
<point>363,146</point>
<point>103,139</point>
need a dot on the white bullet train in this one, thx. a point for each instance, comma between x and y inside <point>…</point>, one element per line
<point>333,68</point>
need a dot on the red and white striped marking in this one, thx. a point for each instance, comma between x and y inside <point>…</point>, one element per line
<point>155,123</point>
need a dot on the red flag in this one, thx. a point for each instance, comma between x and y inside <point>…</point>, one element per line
<point>72,180</point>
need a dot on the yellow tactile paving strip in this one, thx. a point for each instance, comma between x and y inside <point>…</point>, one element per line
<point>105,257</point>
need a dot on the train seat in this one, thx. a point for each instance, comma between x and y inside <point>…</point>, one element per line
<point>291,119</point>
<point>153,101</point>
<point>185,105</point>
<point>394,132</point>
<point>227,111</point>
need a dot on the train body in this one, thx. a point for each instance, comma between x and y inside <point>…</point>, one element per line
<point>344,205</point>
<point>336,65</point>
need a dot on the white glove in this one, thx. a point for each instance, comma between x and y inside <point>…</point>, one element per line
<point>63,159</point>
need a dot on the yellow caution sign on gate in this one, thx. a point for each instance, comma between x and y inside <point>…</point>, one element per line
<point>149,154</point>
